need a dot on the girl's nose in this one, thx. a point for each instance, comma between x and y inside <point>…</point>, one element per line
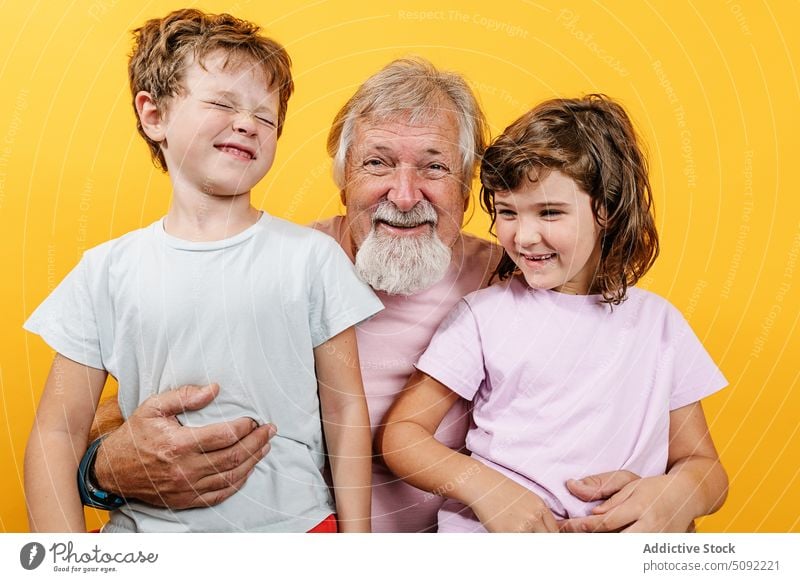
<point>528,234</point>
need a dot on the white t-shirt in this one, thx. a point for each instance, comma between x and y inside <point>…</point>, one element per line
<point>158,312</point>
<point>563,386</point>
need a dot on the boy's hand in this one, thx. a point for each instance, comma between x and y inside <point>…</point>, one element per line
<point>152,458</point>
<point>652,504</point>
<point>510,507</point>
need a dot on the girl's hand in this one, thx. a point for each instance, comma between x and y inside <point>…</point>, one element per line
<point>652,504</point>
<point>509,507</point>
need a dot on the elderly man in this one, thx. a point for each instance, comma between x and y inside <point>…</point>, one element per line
<point>405,148</point>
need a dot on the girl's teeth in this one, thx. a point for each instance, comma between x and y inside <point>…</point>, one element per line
<point>539,257</point>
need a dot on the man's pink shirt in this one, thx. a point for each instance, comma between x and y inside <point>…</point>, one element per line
<point>389,345</point>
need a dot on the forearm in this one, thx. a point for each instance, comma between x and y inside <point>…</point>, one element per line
<point>414,455</point>
<point>51,462</point>
<point>704,481</point>
<point>348,439</point>
<point>107,418</point>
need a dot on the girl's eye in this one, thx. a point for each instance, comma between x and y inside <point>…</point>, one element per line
<point>506,213</point>
<point>551,213</point>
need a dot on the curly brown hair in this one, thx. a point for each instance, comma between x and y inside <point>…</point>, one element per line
<point>164,47</point>
<point>591,140</point>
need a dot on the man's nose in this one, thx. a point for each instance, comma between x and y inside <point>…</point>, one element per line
<point>405,191</point>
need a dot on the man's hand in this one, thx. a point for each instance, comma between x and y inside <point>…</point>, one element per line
<point>154,459</point>
<point>601,486</point>
<point>632,504</point>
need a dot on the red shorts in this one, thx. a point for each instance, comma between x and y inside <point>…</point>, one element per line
<point>327,525</point>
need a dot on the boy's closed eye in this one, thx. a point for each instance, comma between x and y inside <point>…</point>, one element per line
<point>227,107</point>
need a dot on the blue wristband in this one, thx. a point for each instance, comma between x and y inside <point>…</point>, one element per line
<point>91,494</point>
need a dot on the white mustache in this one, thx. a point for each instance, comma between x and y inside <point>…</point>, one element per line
<point>423,212</point>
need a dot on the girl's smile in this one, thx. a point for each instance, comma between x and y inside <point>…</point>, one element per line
<point>548,229</point>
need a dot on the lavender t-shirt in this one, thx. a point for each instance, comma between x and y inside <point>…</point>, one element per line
<point>563,386</point>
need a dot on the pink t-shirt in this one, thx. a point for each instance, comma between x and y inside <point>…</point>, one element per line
<point>388,346</point>
<point>563,387</point>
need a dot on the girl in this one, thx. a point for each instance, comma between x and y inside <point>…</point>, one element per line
<point>570,369</point>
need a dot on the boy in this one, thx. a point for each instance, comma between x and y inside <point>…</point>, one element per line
<point>216,290</point>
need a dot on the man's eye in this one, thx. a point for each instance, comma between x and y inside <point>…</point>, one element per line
<point>435,171</point>
<point>376,166</point>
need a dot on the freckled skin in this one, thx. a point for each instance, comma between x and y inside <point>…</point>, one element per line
<point>392,160</point>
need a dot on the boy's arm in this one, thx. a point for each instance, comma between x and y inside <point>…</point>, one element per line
<point>695,484</point>
<point>57,442</point>
<point>409,449</point>
<point>345,420</point>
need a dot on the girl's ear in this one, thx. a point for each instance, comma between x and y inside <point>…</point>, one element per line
<point>149,116</point>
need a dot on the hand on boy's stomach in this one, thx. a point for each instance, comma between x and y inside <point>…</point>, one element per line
<point>151,457</point>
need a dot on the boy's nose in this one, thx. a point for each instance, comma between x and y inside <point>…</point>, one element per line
<point>405,190</point>
<point>244,123</point>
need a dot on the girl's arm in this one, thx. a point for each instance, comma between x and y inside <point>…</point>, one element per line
<point>57,442</point>
<point>695,484</point>
<point>409,449</point>
<point>345,420</point>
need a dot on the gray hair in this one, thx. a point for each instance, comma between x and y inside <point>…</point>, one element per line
<point>412,89</point>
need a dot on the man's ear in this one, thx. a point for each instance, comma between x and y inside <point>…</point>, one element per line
<point>149,116</point>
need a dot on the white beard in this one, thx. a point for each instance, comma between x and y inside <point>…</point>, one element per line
<point>403,265</point>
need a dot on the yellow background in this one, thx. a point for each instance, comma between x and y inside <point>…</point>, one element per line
<point>713,87</point>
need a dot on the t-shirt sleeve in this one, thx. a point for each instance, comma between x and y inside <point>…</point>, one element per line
<point>338,298</point>
<point>454,357</point>
<point>696,376</point>
<point>66,319</point>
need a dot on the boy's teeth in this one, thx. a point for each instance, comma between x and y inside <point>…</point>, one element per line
<point>539,257</point>
<point>236,151</point>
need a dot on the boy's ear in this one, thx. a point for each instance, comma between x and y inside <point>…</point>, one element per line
<point>343,196</point>
<point>149,116</point>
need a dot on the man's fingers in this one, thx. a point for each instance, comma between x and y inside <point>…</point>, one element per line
<point>224,435</point>
<point>551,526</point>
<point>172,402</point>
<point>600,486</point>
<point>216,497</point>
<point>609,522</point>
<point>230,477</point>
